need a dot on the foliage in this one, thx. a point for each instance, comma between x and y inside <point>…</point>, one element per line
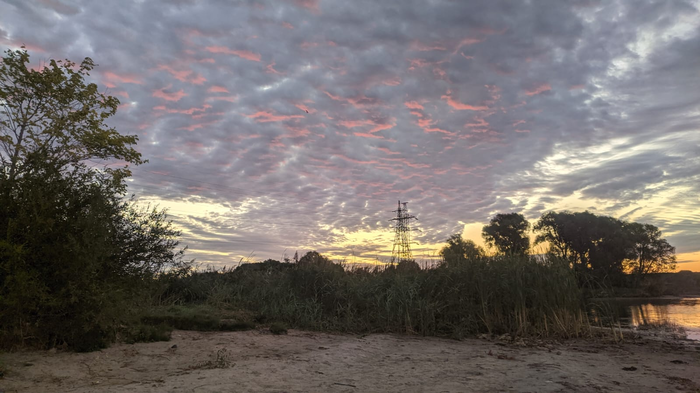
<point>75,257</point>
<point>458,250</point>
<point>503,294</point>
<point>605,246</point>
<point>197,317</point>
<point>508,233</point>
<point>53,116</point>
<point>140,332</point>
<point>651,253</point>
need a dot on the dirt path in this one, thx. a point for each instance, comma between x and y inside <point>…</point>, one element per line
<point>256,361</point>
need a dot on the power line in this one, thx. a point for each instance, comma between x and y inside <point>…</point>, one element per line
<point>401,251</point>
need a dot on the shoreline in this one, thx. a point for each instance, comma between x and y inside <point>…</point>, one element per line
<point>258,361</point>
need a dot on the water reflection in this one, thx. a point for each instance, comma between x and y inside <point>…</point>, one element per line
<point>658,312</point>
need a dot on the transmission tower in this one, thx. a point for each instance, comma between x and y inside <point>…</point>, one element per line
<point>402,235</point>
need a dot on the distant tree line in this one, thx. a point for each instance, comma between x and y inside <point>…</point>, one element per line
<point>599,245</point>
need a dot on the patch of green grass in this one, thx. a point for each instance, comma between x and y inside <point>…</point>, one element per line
<point>198,317</point>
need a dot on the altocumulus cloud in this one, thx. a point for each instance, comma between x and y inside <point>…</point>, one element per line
<point>273,125</point>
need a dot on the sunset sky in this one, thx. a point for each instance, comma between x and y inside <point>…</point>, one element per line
<point>277,126</point>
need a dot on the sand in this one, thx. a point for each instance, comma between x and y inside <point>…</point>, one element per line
<point>257,361</point>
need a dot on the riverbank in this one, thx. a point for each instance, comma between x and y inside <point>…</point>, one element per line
<point>257,361</point>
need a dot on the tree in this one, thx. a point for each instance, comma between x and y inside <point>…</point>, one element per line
<point>74,254</point>
<point>651,253</point>
<point>52,115</point>
<point>591,243</point>
<point>508,233</point>
<point>457,250</point>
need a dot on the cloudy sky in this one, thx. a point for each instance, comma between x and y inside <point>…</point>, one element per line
<point>276,126</point>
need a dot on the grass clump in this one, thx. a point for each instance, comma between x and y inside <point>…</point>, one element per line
<point>147,333</point>
<point>278,328</point>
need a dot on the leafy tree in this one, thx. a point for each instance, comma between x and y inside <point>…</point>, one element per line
<point>591,243</point>
<point>508,233</point>
<point>313,258</point>
<point>74,255</point>
<point>52,115</point>
<point>457,249</point>
<point>651,253</point>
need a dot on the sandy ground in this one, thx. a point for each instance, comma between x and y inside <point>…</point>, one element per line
<point>257,361</point>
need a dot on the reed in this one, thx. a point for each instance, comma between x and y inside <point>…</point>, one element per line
<point>521,296</point>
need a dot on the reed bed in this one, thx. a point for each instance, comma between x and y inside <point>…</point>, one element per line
<point>521,296</point>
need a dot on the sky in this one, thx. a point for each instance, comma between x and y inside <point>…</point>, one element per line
<point>280,126</point>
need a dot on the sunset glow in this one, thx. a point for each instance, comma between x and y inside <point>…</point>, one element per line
<point>280,126</point>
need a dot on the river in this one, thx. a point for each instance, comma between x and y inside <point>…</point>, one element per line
<point>641,312</point>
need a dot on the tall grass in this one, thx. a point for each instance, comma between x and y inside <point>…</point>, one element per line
<point>503,294</point>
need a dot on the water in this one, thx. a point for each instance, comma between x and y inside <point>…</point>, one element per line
<point>641,312</point>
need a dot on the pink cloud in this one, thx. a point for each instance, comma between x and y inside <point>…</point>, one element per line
<point>354,160</point>
<point>17,44</point>
<point>122,94</point>
<point>196,126</point>
<point>382,127</point>
<point>519,122</point>
<point>217,89</point>
<point>413,105</point>
<point>179,75</point>
<point>395,81</point>
<point>538,89</point>
<point>478,123</point>
<point>198,80</point>
<point>161,93</point>
<point>111,79</point>
<point>265,117</point>
<point>466,42</point>
<point>223,98</point>
<point>355,123</point>
<point>182,111</point>
<point>182,75</point>
<point>365,135</point>
<point>245,54</point>
<point>305,108</point>
<point>296,132</point>
<point>460,106</point>
<point>417,63</point>
<point>360,101</point>
<point>271,70</point>
<point>287,25</point>
<point>577,87</point>
<point>387,151</point>
<point>334,98</point>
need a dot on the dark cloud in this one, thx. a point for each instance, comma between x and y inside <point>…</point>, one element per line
<point>464,109</point>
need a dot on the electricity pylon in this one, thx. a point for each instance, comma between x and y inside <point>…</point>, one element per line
<point>402,235</point>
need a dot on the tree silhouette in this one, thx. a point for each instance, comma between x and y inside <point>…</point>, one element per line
<point>457,250</point>
<point>508,233</point>
<point>651,253</point>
